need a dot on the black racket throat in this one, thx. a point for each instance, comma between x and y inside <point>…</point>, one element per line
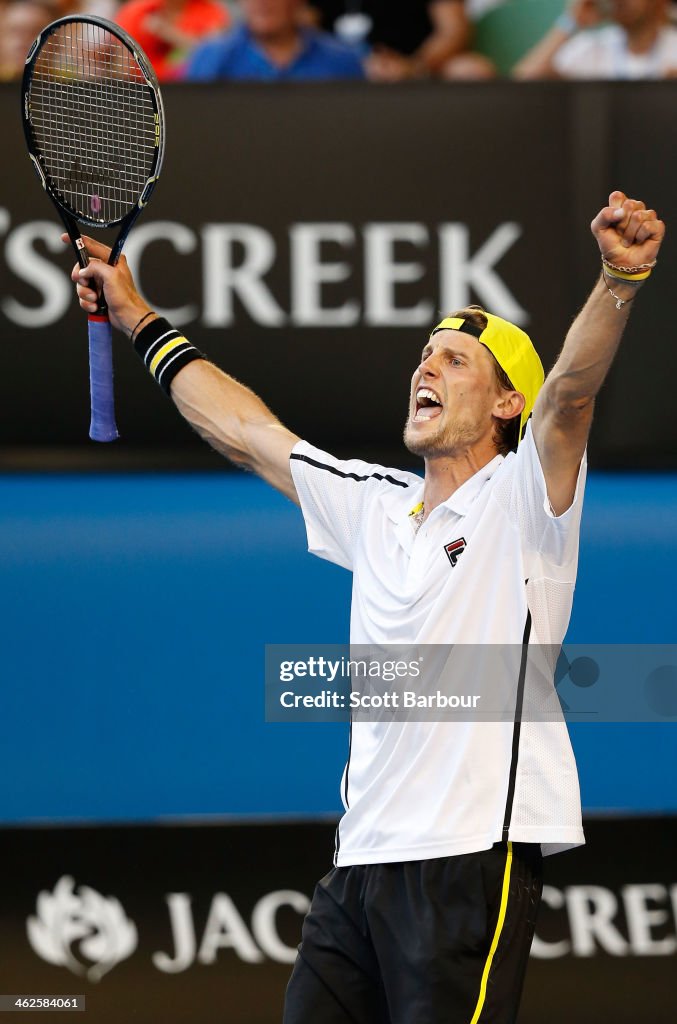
<point>80,251</point>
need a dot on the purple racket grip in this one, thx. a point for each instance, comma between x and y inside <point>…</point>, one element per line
<point>102,426</point>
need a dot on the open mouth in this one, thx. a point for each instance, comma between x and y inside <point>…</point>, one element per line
<point>428,405</point>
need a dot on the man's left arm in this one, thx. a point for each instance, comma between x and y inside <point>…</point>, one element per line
<point>629,237</point>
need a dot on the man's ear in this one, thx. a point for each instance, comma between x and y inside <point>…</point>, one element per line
<point>508,404</point>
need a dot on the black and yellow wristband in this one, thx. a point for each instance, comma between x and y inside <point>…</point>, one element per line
<point>164,351</point>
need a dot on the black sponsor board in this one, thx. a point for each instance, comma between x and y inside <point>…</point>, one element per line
<point>200,922</point>
<point>307,238</point>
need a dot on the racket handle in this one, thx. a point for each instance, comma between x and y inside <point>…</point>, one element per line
<point>102,426</point>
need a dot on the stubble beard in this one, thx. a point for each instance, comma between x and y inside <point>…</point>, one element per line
<point>446,440</point>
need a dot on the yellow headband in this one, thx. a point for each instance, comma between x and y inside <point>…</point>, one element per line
<point>513,351</point>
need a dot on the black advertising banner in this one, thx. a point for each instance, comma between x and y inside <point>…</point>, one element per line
<point>200,923</point>
<point>307,238</point>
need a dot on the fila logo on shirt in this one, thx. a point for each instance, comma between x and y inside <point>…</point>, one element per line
<point>455,549</point>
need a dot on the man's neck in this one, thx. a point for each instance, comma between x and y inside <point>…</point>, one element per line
<point>282,48</point>
<point>445,474</point>
<point>642,38</point>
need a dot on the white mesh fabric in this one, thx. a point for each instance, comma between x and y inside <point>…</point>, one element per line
<point>547,796</point>
<point>550,604</point>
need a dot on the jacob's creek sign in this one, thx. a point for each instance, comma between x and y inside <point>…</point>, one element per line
<point>74,926</point>
<point>187,915</point>
<point>326,243</point>
<point>236,261</point>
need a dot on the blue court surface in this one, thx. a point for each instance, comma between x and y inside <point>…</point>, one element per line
<point>135,610</point>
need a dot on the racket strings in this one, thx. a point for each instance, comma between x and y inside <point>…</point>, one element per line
<point>93,120</point>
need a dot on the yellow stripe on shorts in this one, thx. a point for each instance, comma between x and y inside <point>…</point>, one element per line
<point>497,935</point>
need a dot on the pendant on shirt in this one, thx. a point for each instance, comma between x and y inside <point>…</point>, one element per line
<point>416,516</point>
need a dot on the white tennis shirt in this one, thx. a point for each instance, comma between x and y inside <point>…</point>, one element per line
<point>420,789</point>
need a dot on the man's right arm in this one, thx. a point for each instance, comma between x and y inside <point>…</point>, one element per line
<point>234,421</point>
<point>228,415</point>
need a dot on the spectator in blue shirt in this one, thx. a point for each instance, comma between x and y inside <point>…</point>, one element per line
<point>271,45</point>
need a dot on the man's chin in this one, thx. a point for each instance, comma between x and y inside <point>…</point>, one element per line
<point>422,442</point>
<point>438,442</point>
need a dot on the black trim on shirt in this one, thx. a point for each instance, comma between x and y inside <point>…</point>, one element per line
<point>350,750</point>
<point>348,476</point>
<point>337,841</point>
<point>517,727</point>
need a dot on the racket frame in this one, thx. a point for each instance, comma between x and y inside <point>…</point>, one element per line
<point>71,217</point>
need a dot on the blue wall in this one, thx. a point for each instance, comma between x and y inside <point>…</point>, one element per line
<point>134,611</point>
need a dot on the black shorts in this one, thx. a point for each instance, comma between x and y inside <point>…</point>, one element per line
<point>443,941</point>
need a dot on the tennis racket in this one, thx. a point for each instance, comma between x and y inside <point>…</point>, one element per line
<point>94,124</point>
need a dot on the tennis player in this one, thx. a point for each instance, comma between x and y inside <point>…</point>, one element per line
<point>428,914</point>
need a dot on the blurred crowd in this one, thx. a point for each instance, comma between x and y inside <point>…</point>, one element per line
<point>378,40</point>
